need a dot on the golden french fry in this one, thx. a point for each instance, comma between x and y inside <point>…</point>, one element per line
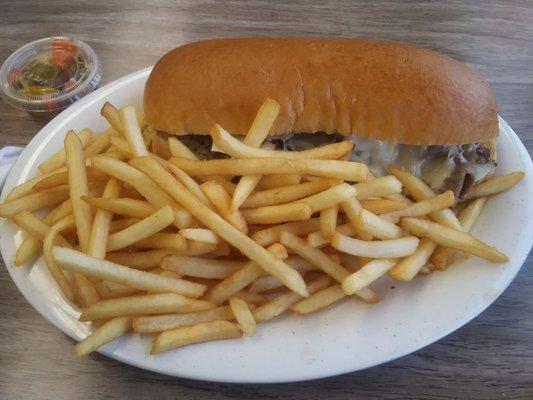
<point>144,185</point>
<point>27,187</point>
<point>58,159</point>
<point>162,303</point>
<point>378,187</point>
<point>270,235</point>
<point>243,190</point>
<point>297,211</point>
<point>85,290</point>
<point>202,332</point>
<point>98,145</point>
<point>449,237</point>
<point>241,278</point>
<point>222,202</point>
<point>200,235</point>
<point>382,206</point>
<point>329,197</point>
<point>78,187</point>
<point>237,149</point>
<point>366,275</point>
<point>421,191</point>
<point>282,303</point>
<point>109,331</point>
<point>408,267</point>
<point>159,323</point>
<point>139,260</point>
<point>112,290</point>
<point>286,194</point>
<point>368,223</point>
<point>35,201</point>
<point>328,220</point>
<point>274,181</point>
<point>346,170</point>
<point>121,206</point>
<point>243,315</point>
<point>143,229</point>
<point>394,248</point>
<point>319,300</point>
<point>495,185</point>
<point>110,113</point>
<point>121,146</point>
<point>102,220</point>
<point>132,131</point>
<point>201,267</point>
<point>423,207</point>
<point>189,183</point>
<point>76,261</point>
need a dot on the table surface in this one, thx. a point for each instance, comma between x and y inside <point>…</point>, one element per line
<point>491,357</point>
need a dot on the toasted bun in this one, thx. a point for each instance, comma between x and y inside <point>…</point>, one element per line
<point>379,90</point>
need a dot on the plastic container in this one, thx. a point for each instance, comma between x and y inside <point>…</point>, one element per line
<point>46,76</point>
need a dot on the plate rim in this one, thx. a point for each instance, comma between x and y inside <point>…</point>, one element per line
<point>73,111</point>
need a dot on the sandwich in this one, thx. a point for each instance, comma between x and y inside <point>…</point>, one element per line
<point>399,104</point>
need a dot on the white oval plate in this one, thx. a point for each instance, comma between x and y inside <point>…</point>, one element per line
<point>343,338</point>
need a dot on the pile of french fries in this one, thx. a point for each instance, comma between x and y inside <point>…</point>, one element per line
<point>146,238</point>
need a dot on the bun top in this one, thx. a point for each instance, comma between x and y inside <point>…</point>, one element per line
<point>379,90</point>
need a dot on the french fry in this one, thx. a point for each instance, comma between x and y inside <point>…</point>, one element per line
<point>268,283</point>
<point>78,187</point>
<point>139,260</point>
<point>243,315</point>
<point>283,302</point>
<point>160,146</point>
<point>297,211</point>
<point>121,146</point>
<point>237,149</point>
<point>121,206</point>
<point>423,207</point>
<point>286,194</point>
<point>257,133</point>
<point>241,278</point>
<point>144,185</point>
<point>112,290</point>
<point>274,181</point>
<point>162,303</point>
<point>202,332</point>
<point>27,187</point>
<point>201,267</point>
<point>85,290</point>
<point>455,239</point>
<point>75,261</point>
<point>319,300</point>
<point>408,267</point>
<point>143,229</point>
<point>394,248</point>
<point>378,187</point>
<point>346,170</point>
<point>110,113</point>
<point>268,236</point>
<point>366,275</point>
<point>421,191</point>
<point>35,201</point>
<point>495,185</point>
<point>328,220</point>
<point>109,331</point>
<point>199,248</point>
<point>58,159</point>
<point>382,206</point>
<point>132,131</point>
<point>222,202</point>
<point>200,235</point>
<point>102,220</point>
<point>159,323</point>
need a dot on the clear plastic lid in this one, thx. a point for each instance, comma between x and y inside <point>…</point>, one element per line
<point>49,74</point>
